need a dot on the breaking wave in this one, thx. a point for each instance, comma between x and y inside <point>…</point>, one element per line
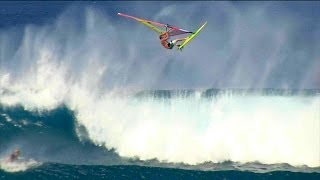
<point>69,64</point>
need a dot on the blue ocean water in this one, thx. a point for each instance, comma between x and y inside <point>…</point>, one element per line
<point>85,94</point>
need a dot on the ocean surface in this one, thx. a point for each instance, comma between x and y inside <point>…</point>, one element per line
<point>87,94</point>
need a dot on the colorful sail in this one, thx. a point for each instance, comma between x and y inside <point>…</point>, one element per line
<point>158,27</point>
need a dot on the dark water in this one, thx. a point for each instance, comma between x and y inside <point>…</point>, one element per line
<point>60,171</point>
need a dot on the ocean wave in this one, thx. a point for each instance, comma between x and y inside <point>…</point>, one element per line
<point>193,130</point>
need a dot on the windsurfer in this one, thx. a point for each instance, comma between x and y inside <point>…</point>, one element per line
<point>14,156</point>
<point>169,32</point>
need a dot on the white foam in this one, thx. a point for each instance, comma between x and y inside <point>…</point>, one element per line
<point>7,117</point>
<point>19,165</point>
<point>242,129</point>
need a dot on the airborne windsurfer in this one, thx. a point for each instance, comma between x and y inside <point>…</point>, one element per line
<point>168,32</point>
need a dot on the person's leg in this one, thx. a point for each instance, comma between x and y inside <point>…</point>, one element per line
<point>182,39</point>
<point>174,41</point>
<point>177,40</point>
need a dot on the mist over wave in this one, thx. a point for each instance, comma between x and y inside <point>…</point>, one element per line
<point>84,61</point>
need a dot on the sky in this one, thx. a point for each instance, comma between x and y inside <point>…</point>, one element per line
<point>244,45</point>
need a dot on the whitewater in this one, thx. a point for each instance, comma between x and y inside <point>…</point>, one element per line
<point>193,129</point>
<point>126,107</point>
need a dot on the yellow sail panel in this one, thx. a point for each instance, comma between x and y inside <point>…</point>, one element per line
<point>151,27</point>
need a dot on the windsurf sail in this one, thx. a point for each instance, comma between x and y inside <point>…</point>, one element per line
<point>159,27</point>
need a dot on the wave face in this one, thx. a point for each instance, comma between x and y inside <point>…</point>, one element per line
<point>108,109</point>
<point>190,127</point>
